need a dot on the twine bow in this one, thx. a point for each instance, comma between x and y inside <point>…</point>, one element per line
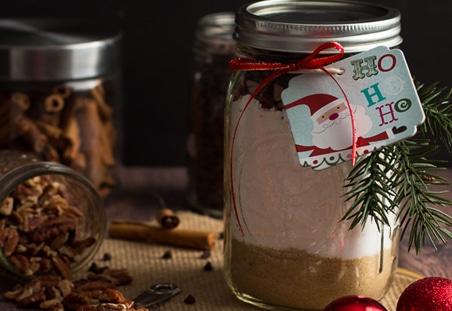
<point>311,62</point>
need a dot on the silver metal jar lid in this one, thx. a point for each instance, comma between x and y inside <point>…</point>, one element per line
<point>214,33</point>
<point>47,50</point>
<point>300,26</point>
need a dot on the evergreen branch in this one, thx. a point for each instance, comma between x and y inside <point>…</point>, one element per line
<point>397,179</point>
<point>372,183</point>
<point>436,103</point>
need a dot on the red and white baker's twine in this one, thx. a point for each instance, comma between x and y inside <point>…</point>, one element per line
<point>310,63</point>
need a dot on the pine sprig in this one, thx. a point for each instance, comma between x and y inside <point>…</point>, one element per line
<point>436,103</point>
<point>397,179</point>
<point>415,198</point>
<point>372,183</point>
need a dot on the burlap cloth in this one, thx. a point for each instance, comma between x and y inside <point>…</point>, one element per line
<point>146,265</point>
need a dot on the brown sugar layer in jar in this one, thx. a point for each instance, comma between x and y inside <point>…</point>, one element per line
<point>305,280</point>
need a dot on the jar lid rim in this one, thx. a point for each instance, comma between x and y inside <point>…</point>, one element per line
<point>302,25</point>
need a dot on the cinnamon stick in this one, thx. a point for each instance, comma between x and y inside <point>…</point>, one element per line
<point>52,106</point>
<point>137,231</point>
<point>167,218</point>
<point>105,111</point>
<point>11,130</point>
<point>90,132</point>
<point>13,107</point>
<point>63,90</point>
<point>34,137</point>
<point>72,132</point>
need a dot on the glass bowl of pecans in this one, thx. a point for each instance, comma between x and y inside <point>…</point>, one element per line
<point>52,219</point>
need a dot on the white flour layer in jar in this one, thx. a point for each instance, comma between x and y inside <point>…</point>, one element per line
<point>282,205</point>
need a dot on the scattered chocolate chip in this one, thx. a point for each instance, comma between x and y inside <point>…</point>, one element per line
<point>208,266</point>
<point>107,257</point>
<point>96,269</point>
<point>167,255</point>
<point>205,254</point>
<point>189,300</point>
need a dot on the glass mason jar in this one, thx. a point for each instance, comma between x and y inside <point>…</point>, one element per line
<point>286,247</point>
<point>53,220</point>
<point>60,93</point>
<point>214,47</point>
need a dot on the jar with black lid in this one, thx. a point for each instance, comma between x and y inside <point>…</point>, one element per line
<point>60,93</point>
<point>213,48</point>
<point>286,247</point>
<point>52,219</point>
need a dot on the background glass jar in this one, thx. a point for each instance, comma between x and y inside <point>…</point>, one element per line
<point>60,93</point>
<point>52,218</point>
<point>285,246</point>
<point>214,47</point>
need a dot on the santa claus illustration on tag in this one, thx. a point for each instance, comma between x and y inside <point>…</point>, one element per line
<point>385,109</point>
<point>332,132</point>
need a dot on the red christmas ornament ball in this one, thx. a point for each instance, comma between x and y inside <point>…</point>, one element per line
<point>427,294</point>
<point>355,303</point>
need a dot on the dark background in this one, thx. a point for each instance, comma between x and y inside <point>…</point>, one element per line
<point>157,60</point>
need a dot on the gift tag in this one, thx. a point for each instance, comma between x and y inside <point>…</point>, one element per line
<point>378,88</point>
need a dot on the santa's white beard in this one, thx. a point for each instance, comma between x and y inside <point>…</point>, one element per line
<point>338,134</point>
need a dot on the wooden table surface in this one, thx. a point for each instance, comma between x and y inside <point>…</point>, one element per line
<point>143,191</point>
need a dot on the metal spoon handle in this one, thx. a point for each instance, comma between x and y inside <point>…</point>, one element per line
<point>156,293</point>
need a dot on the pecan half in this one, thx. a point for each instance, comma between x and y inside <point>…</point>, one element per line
<point>22,264</point>
<point>75,300</point>
<point>61,267</point>
<point>9,238</point>
<point>53,227</point>
<point>52,305</point>
<point>7,206</point>
<point>114,296</point>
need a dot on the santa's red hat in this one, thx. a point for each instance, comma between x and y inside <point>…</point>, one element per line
<point>317,103</point>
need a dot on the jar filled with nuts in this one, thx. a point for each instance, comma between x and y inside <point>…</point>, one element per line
<point>52,219</point>
<point>214,47</point>
<point>60,94</point>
